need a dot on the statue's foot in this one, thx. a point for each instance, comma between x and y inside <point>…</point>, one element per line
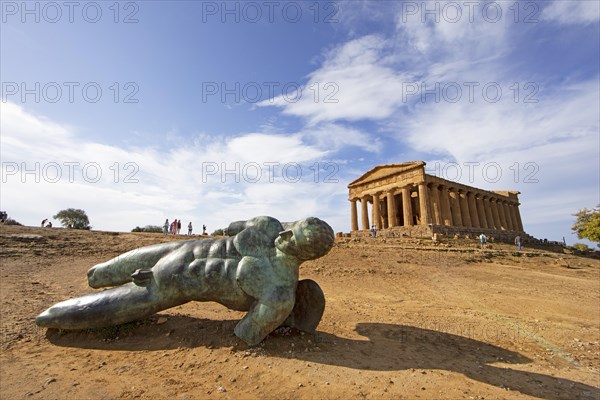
<point>309,307</point>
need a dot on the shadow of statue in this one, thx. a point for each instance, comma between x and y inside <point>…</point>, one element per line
<point>386,347</point>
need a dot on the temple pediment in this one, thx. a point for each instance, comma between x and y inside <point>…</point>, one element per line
<point>383,171</point>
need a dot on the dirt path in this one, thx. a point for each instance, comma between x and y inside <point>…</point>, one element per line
<point>404,320</point>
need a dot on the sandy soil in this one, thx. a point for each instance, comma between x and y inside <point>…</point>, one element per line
<point>404,320</point>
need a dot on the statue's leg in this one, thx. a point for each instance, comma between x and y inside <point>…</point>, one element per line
<point>118,270</point>
<point>110,307</point>
<point>308,308</point>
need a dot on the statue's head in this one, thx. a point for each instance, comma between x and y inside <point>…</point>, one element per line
<point>307,239</point>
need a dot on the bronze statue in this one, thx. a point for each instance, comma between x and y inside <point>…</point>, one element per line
<point>256,269</point>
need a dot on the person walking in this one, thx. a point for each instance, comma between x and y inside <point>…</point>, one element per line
<point>166,227</point>
<point>190,229</point>
<point>483,241</point>
<point>178,226</point>
<point>518,243</point>
<point>373,231</point>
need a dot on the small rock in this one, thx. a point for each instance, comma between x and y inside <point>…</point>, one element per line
<point>161,320</point>
<point>50,380</point>
<point>221,389</point>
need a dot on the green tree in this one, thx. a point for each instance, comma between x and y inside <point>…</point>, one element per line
<point>73,218</point>
<point>218,232</point>
<point>587,224</point>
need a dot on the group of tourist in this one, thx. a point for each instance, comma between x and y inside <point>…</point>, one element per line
<point>174,228</point>
<point>46,223</point>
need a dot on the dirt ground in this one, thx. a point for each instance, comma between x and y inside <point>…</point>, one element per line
<point>404,320</point>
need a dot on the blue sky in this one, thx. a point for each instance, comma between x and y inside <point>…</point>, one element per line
<point>218,111</point>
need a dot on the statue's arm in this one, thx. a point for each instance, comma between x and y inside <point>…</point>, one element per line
<point>275,297</point>
<point>236,227</point>
<point>118,270</point>
<point>266,315</point>
<point>269,225</point>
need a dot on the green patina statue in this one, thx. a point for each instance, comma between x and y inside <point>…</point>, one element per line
<point>255,269</point>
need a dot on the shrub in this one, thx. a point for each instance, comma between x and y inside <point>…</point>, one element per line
<point>148,228</point>
<point>581,247</point>
<point>10,221</point>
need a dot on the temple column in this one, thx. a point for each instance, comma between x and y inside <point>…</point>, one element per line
<point>473,210</point>
<point>455,206</point>
<point>391,209</point>
<point>495,214</point>
<point>513,213</point>
<point>481,212</point>
<point>445,202</point>
<point>436,210</point>
<point>507,213</point>
<point>365,213</point>
<point>487,201</point>
<point>407,206</point>
<point>519,220</point>
<point>424,204</point>
<point>464,209</point>
<point>353,215</point>
<point>501,214</point>
<point>376,209</point>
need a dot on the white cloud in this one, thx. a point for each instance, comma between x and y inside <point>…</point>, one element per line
<point>572,12</point>
<point>353,83</point>
<point>208,180</point>
<point>478,130</point>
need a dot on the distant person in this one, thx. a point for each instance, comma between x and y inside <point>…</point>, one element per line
<point>190,229</point>
<point>166,227</point>
<point>203,229</point>
<point>483,241</point>
<point>44,222</point>
<point>173,227</point>
<point>178,226</point>
<point>3,216</point>
<point>49,225</point>
<point>373,231</point>
<point>518,242</point>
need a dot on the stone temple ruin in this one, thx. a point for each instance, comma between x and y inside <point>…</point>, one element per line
<point>404,200</point>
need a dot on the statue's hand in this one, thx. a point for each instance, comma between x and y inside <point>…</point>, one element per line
<point>142,277</point>
<point>119,270</point>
